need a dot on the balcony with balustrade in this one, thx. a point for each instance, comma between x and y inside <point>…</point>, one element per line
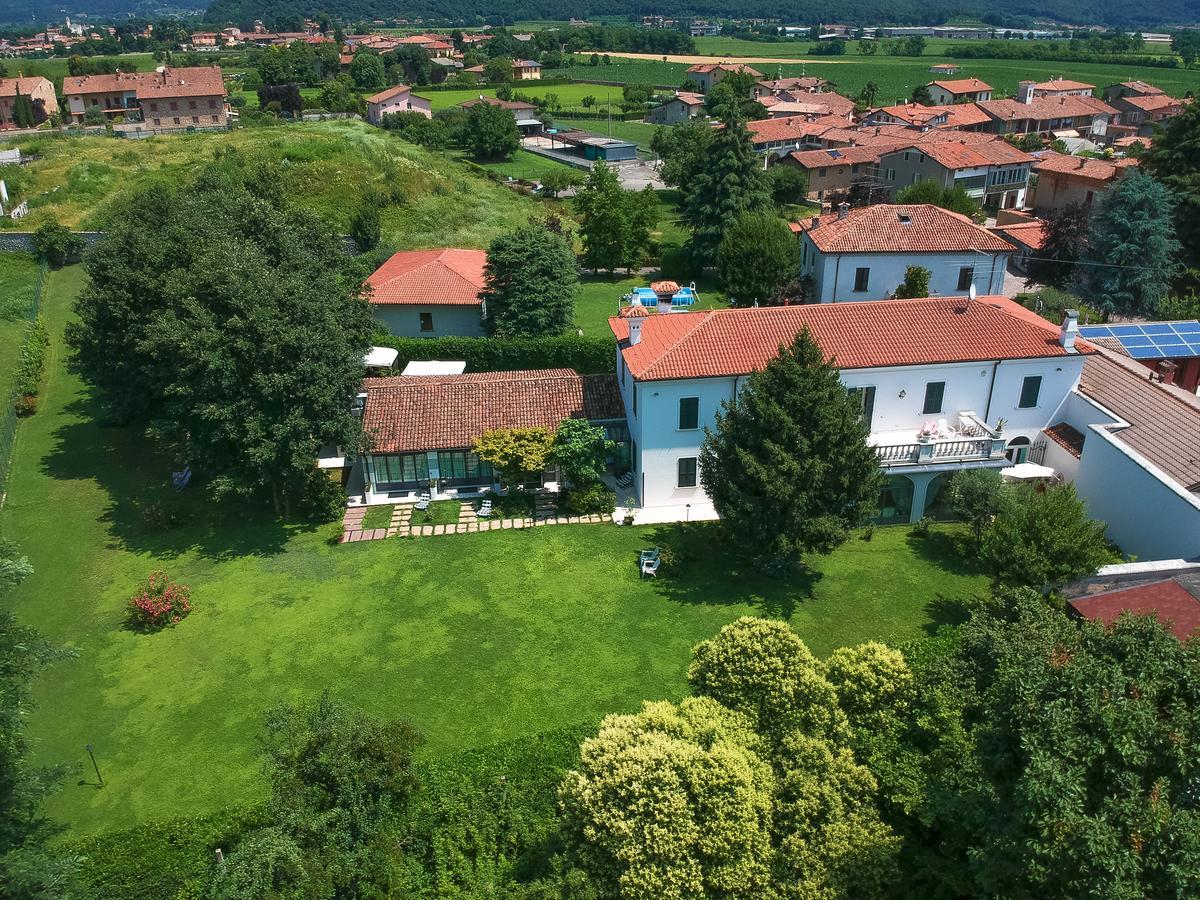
<point>968,439</point>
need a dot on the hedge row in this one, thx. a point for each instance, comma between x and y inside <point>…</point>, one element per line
<point>479,819</point>
<point>30,363</point>
<point>586,355</point>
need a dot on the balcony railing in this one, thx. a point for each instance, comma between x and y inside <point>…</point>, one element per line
<point>970,440</point>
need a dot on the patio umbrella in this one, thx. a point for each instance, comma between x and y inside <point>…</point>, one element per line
<point>1026,472</point>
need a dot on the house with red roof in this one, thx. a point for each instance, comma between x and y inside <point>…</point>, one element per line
<point>1063,180</point>
<point>683,106</point>
<point>994,172</point>
<point>934,376</point>
<point>423,428</point>
<point>863,253</point>
<point>707,76</point>
<point>430,293</point>
<point>396,99</point>
<point>165,98</point>
<point>41,95</point>
<point>961,90</point>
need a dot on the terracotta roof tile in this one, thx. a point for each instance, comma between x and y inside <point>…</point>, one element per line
<point>514,105</point>
<point>1028,234</point>
<point>194,81</point>
<point>1044,108</point>
<point>901,228</point>
<point>705,68</point>
<point>10,87</point>
<point>957,155</point>
<point>1142,87</point>
<point>1164,422</point>
<point>389,93</point>
<point>872,334</point>
<point>837,156</point>
<point>1067,437</point>
<point>443,412</point>
<point>1153,102</point>
<point>964,86</point>
<point>1167,600</point>
<point>444,277</point>
<point>1063,84</point>
<point>1101,170</point>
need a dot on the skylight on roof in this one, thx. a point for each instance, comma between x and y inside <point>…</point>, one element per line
<point>905,218</point>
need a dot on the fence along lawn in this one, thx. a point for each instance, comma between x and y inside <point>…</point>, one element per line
<point>475,638</point>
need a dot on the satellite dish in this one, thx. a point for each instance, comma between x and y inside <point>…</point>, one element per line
<point>971,292</point>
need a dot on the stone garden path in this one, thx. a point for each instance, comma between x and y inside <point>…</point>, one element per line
<point>468,522</point>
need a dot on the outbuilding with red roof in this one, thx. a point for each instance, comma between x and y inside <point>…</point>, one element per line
<point>430,293</point>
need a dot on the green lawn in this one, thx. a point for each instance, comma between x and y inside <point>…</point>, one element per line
<point>599,295</point>
<point>569,95</point>
<point>440,512</point>
<point>731,47</point>
<point>523,165</point>
<point>18,277</point>
<point>377,517</point>
<point>638,132</point>
<point>476,638</point>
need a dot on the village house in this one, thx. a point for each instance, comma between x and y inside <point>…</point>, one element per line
<point>525,113</point>
<point>862,254</point>
<point>959,116</point>
<point>39,91</point>
<point>1068,115</point>
<point>396,99</point>
<point>526,70</point>
<point>430,293</point>
<point>1059,87</point>
<point>993,172</point>
<point>1027,237</point>
<point>1170,350</point>
<point>944,68</point>
<point>962,90</point>
<point>165,98</point>
<point>423,428</point>
<point>803,84</point>
<point>799,103</point>
<point>1142,106</point>
<point>683,106</point>
<point>839,170</point>
<point>935,377</point>
<point>1062,180</point>
<point>706,76</point>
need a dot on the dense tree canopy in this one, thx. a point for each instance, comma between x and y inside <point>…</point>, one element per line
<point>231,325</point>
<point>1174,159</point>
<point>531,280</point>
<point>616,223</point>
<point>490,132</point>
<point>758,256</point>
<point>788,467</point>
<point>1065,242</point>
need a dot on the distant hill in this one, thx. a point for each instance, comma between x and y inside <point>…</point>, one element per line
<point>1149,14</point>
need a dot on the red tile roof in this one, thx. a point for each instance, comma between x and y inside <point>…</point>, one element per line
<point>1063,84</point>
<point>901,228</point>
<point>861,335</point>
<point>964,86</point>
<point>957,155</point>
<point>1068,437</point>
<point>444,412</point>
<point>194,81</point>
<point>1153,102</point>
<point>1042,108</point>
<point>1141,87</point>
<point>791,128</point>
<point>705,68</point>
<point>26,84</point>
<point>802,83</point>
<point>444,277</point>
<point>1167,600</point>
<point>389,93</point>
<point>1100,170</point>
<point>836,156</point>
<point>1028,234</point>
<point>513,105</point>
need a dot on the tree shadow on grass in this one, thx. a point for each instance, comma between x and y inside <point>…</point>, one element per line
<point>703,568</point>
<point>951,552</point>
<point>943,610</point>
<point>144,512</point>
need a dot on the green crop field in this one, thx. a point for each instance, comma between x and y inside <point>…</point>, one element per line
<point>570,95</point>
<point>802,48</point>
<point>628,71</point>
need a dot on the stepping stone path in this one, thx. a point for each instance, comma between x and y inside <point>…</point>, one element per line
<point>468,522</point>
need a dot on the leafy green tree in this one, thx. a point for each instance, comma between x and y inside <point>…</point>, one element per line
<point>243,372</point>
<point>1186,42</point>
<point>674,801</point>
<point>956,199</point>
<point>915,283</point>
<point>367,71</point>
<point>683,149</point>
<point>490,132</point>
<point>29,867</point>
<point>1173,160</point>
<point>531,280</point>
<point>579,450</point>
<point>1044,538</point>
<point>364,225</point>
<point>616,223</point>
<point>1132,253</point>
<point>516,453</point>
<point>789,184</point>
<point>869,93</point>
<point>560,178</point>
<point>94,115</point>
<point>728,182</point>
<point>868,47</point>
<point>976,496</point>
<point>339,779</point>
<point>761,669</point>
<point>921,95</point>
<point>1084,738</point>
<point>56,243</point>
<point>734,92</point>
<point>498,70</point>
<point>788,467</point>
<point>413,64</point>
<point>339,95</point>
<point>757,258</point>
<point>23,113</point>
<point>871,681</point>
<point>1065,242</point>
<point>914,46</point>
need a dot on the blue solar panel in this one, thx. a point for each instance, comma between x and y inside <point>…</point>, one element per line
<point>1144,352</point>
<point>1188,328</point>
<point>1158,329</point>
<point>1151,340</point>
<point>1124,330</point>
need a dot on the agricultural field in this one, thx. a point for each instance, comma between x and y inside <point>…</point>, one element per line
<point>325,166</point>
<point>620,71</point>
<point>801,48</point>
<point>570,95</point>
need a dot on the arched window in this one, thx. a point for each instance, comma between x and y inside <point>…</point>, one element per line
<point>1018,450</point>
<point>895,500</point>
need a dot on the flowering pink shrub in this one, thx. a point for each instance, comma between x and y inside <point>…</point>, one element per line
<point>159,603</point>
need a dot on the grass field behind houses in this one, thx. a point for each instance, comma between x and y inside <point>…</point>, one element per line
<point>475,638</point>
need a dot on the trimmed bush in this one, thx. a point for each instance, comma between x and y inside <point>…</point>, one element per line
<point>596,498</point>
<point>29,367</point>
<point>568,351</point>
<point>161,602</point>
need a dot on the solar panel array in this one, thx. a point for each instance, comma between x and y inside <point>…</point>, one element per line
<point>1151,340</point>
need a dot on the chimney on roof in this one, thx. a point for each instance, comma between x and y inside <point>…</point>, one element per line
<point>843,210</point>
<point>635,330</point>
<point>1069,330</point>
<point>1025,92</point>
<point>816,223</point>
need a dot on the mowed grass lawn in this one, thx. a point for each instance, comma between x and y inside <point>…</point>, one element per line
<point>475,638</point>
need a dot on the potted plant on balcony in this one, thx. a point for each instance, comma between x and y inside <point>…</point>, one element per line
<point>927,433</point>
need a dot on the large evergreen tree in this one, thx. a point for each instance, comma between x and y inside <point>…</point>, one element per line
<point>757,258</point>
<point>1065,241</point>
<point>787,466</point>
<point>490,132</point>
<point>1174,159</point>
<point>231,326</point>
<point>682,149</point>
<point>531,283</point>
<point>1132,252</point>
<point>730,181</point>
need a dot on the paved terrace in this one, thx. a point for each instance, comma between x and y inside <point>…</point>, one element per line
<point>468,523</point>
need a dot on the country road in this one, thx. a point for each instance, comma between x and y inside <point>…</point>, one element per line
<point>692,59</point>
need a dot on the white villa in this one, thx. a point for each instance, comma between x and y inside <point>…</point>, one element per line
<point>862,254</point>
<point>936,377</point>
